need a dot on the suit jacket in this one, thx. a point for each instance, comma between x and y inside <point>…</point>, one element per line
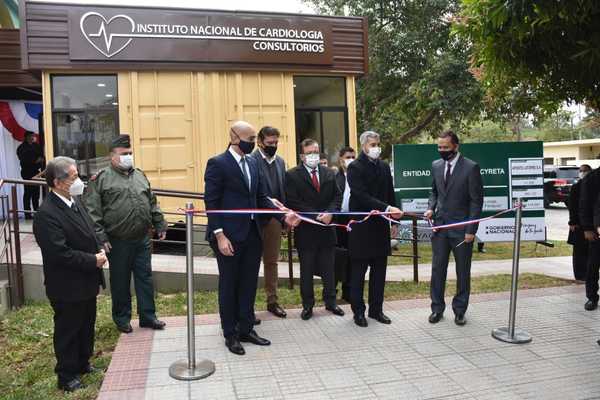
<point>371,188</point>
<point>589,201</point>
<point>270,186</point>
<point>69,245</point>
<point>302,196</point>
<point>225,188</point>
<point>461,199</point>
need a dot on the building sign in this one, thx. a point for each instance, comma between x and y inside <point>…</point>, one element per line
<point>509,171</point>
<point>127,34</point>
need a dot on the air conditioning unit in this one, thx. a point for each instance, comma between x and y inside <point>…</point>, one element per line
<point>4,297</point>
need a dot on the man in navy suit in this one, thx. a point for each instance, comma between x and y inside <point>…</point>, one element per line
<point>232,181</point>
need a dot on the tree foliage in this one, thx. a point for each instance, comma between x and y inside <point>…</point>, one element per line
<point>419,79</point>
<point>549,49</point>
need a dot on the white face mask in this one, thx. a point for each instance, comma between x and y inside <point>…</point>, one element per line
<point>582,174</point>
<point>76,188</point>
<point>374,152</point>
<point>311,160</point>
<point>126,161</point>
<point>348,161</point>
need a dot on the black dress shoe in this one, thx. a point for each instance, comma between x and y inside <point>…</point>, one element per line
<point>336,310</point>
<point>306,314</point>
<point>361,321</point>
<point>125,328</point>
<point>234,346</point>
<point>70,385</point>
<point>252,337</point>
<point>381,317</point>
<point>276,310</point>
<point>435,317</point>
<point>459,319</point>
<point>90,370</point>
<point>591,305</point>
<point>256,321</point>
<point>156,325</point>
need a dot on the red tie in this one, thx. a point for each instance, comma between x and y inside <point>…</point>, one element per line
<point>315,181</point>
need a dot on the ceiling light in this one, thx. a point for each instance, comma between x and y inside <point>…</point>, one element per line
<point>101,85</point>
<point>108,95</point>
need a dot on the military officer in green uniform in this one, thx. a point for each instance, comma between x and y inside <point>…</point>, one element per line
<point>124,209</point>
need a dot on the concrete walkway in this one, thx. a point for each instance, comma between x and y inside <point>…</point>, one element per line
<point>330,357</point>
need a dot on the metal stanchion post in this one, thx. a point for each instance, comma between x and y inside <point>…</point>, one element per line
<point>189,370</point>
<point>511,334</point>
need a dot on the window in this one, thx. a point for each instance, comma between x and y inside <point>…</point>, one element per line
<point>85,119</point>
<point>321,112</point>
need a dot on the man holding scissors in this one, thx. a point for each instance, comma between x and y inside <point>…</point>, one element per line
<point>456,196</point>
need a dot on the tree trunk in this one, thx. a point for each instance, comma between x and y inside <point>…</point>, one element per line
<point>414,131</point>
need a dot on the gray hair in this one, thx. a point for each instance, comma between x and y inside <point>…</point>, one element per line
<point>58,169</point>
<point>365,136</point>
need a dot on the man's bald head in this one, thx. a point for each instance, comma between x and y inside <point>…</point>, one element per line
<point>242,131</point>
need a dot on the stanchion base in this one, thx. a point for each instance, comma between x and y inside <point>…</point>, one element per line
<point>503,334</point>
<point>179,370</point>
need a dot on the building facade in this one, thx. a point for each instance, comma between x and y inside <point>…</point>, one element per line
<point>175,79</point>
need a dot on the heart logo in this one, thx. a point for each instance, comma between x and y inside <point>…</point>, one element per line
<point>93,25</point>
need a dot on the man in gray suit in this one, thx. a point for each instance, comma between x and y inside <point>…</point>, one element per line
<point>272,168</point>
<point>456,196</point>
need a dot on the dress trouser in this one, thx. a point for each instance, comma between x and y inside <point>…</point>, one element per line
<point>318,259</point>
<point>238,277</point>
<point>592,276</point>
<point>125,258</point>
<point>378,268</point>
<point>31,197</point>
<point>73,336</point>
<point>442,244</point>
<point>271,245</point>
<point>580,258</point>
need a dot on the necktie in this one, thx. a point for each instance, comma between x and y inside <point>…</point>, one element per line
<point>315,180</point>
<point>74,207</point>
<point>447,179</point>
<point>246,177</point>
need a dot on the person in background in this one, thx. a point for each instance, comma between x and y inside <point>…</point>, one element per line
<point>72,258</point>
<point>576,236</point>
<point>371,188</point>
<point>232,181</point>
<point>31,158</point>
<point>311,187</point>
<point>272,168</point>
<point>323,161</point>
<point>343,269</point>
<point>125,211</point>
<point>589,221</point>
<point>456,196</point>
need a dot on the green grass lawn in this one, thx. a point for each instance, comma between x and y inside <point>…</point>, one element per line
<point>494,251</point>
<point>27,358</point>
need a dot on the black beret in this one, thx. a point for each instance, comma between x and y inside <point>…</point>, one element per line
<point>121,141</point>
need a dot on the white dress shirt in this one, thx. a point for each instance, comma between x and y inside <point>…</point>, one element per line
<point>346,198</point>
<point>68,202</point>
<point>238,159</point>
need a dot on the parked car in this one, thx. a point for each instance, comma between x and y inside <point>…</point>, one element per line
<point>558,182</point>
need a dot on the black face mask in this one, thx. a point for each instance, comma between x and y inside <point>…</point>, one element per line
<point>270,150</point>
<point>447,154</point>
<point>244,146</point>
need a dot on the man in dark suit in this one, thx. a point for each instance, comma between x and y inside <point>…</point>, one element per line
<point>576,236</point>
<point>311,187</point>
<point>456,196</point>
<point>371,188</point>
<point>232,181</point>
<point>342,262</point>
<point>589,221</point>
<point>31,158</point>
<point>73,261</point>
<point>272,168</point>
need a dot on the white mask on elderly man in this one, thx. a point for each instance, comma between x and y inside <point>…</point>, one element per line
<point>348,161</point>
<point>126,161</point>
<point>76,188</point>
<point>311,160</point>
<point>374,152</point>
